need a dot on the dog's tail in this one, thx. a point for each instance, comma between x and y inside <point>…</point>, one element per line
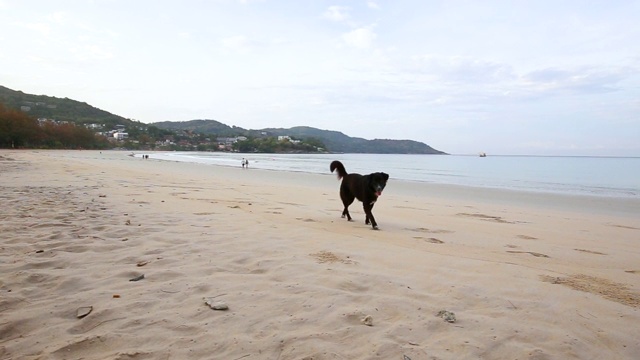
<point>337,165</point>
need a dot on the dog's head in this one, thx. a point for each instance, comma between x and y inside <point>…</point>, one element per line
<point>378,181</point>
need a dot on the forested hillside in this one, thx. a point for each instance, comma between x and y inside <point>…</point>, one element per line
<point>61,109</point>
<point>199,135</point>
<point>334,141</point>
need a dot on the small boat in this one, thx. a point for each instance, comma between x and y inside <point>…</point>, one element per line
<point>483,154</point>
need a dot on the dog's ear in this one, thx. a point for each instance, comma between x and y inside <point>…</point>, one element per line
<point>385,176</point>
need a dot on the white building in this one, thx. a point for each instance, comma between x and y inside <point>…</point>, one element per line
<point>120,135</point>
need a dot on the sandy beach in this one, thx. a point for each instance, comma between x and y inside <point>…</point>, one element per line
<point>524,276</point>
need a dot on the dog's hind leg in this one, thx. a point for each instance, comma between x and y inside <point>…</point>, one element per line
<point>347,200</point>
<point>345,213</point>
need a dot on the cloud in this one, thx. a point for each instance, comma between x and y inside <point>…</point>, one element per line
<point>361,38</point>
<point>462,69</point>
<point>238,43</point>
<point>583,80</point>
<point>57,17</point>
<point>337,13</point>
<point>373,5</point>
<point>91,52</point>
<point>547,75</point>
<point>42,28</point>
<point>472,76</point>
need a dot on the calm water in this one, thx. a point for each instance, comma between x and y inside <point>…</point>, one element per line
<point>599,176</point>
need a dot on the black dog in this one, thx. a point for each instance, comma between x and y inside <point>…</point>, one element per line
<point>365,188</point>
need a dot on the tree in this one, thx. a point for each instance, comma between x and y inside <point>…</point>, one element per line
<point>16,128</point>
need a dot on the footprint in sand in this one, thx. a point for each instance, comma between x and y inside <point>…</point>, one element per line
<point>430,231</point>
<point>410,208</point>
<point>14,329</point>
<point>624,227</point>
<point>528,252</point>
<point>527,237</point>
<point>429,240</point>
<point>497,219</point>
<point>329,257</point>
<point>590,251</point>
<point>618,292</point>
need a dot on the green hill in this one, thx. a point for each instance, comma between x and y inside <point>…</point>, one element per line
<point>334,141</point>
<point>65,109</point>
<point>61,109</point>
<point>203,127</point>
<point>339,142</point>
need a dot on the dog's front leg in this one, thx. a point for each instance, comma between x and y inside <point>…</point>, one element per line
<point>367,221</point>
<point>369,216</point>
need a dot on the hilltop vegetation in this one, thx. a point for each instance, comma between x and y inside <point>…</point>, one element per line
<point>339,142</point>
<point>334,141</point>
<point>61,109</point>
<point>201,135</point>
<point>203,127</point>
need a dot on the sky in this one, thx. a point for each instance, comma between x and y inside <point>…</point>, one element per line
<point>504,77</point>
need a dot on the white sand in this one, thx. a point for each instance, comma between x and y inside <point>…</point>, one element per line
<point>528,277</point>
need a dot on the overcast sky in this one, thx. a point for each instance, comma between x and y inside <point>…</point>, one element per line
<point>502,77</point>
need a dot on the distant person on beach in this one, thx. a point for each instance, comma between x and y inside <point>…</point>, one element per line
<point>243,162</point>
<point>246,163</point>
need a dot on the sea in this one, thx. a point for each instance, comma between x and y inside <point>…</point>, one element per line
<point>617,177</point>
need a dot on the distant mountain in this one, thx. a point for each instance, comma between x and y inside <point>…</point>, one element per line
<point>61,109</point>
<point>339,142</point>
<point>202,126</point>
<point>65,109</point>
<point>335,141</point>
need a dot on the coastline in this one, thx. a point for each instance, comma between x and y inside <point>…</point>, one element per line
<point>589,176</point>
<point>527,275</point>
<point>595,204</point>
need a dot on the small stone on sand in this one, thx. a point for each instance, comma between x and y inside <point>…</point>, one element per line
<point>216,305</point>
<point>448,316</point>
<point>83,311</point>
<point>137,278</point>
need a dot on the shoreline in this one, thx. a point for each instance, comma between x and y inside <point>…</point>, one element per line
<point>533,277</point>
<point>595,204</point>
<point>591,191</point>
